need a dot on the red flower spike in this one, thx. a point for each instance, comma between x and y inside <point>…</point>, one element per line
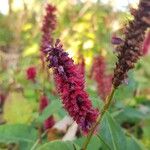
<point>31,73</point>
<point>103,81</point>
<point>70,85</point>
<point>48,26</point>
<point>130,49</point>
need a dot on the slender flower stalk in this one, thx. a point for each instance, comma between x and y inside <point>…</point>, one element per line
<point>129,50</point>
<point>105,108</point>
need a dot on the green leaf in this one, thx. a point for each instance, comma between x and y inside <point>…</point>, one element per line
<point>13,113</point>
<point>18,133</point>
<point>52,108</point>
<point>130,114</point>
<point>104,143</point>
<point>59,145</point>
<point>146,133</point>
<point>111,134</point>
<point>121,93</point>
<point>133,144</point>
<point>146,129</point>
<point>96,100</point>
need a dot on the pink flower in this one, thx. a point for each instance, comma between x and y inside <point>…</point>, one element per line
<point>99,75</point>
<point>70,85</point>
<point>49,122</point>
<point>31,73</point>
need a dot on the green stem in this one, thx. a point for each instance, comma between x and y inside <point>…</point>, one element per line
<point>38,140</point>
<point>105,108</point>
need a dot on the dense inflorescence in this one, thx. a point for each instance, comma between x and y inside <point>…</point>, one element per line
<point>49,122</point>
<point>31,73</point>
<point>130,49</point>
<point>70,85</point>
<point>99,75</point>
<point>48,26</point>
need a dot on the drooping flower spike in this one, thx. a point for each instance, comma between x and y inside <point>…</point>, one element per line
<point>70,85</point>
<point>130,49</point>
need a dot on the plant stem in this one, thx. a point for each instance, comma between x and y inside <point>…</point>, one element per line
<point>40,134</point>
<point>38,140</point>
<point>104,109</point>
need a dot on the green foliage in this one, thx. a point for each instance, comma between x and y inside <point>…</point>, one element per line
<point>52,108</point>
<point>93,143</point>
<point>17,109</point>
<point>5,31</point>
<point>111,134</point>
<point>24,135</point>
<point>132,115</point>
<point>133,144</point>
<point>57,145</point>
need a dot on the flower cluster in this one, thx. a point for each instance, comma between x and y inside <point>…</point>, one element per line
<point>49,122</point>
<point>70,85</point>
<point>48,26</point>
<point>68,77</point>
<point>130,49</point>
<point>31,73</point>
<point>98,72</point>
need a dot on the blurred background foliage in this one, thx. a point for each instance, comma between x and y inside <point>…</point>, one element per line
<point>85,28</point>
